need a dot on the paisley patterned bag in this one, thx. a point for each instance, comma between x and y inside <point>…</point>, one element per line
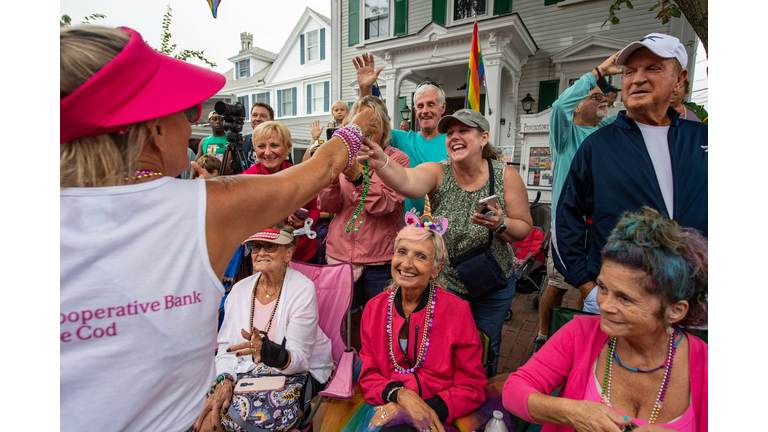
<point>267,410</point>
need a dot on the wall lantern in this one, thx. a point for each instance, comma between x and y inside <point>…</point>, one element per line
<point>528,103</point>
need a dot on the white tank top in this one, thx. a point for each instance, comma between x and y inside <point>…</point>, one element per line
<point>139,304</point>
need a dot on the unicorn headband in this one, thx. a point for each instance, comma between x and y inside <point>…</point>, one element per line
<point>439,224</point>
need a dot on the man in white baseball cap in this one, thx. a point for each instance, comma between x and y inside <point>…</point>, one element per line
<point>646,157</point>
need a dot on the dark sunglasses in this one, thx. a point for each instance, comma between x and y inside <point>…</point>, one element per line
<point>193,114</point>
<point>598,96</point>
<point>428,83</point>
<point>268,247</point>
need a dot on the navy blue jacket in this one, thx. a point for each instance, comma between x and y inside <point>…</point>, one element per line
<point>612,173</point>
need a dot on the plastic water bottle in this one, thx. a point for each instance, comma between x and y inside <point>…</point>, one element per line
<point>496,424</point>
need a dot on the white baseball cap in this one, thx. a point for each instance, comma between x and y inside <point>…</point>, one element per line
<point>662,45</point>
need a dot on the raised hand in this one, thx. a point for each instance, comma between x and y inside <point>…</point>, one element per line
<point>316,130</point>
<point>252,345</point>
<point>368,122</point>
<point>608,67</point>
<point>372,152</point>
<point>366,72</point>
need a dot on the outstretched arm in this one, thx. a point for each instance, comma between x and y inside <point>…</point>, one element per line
<point>410,182</point>
<point>269,199</point>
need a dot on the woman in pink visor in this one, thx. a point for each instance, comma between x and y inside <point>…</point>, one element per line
<point>143,253</point>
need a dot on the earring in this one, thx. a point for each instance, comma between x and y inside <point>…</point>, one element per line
<point>670,330</point>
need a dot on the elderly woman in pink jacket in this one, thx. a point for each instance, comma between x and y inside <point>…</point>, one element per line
<point>368,214</point>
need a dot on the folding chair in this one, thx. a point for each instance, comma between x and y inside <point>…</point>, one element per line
<point>333,285</point>
<point>488,354</point>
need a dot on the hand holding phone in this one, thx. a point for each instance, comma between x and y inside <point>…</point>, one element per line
<point>484,204</point>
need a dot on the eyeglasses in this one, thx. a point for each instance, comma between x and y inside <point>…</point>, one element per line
<point>268,247</point>
<point>193,114</point>
<point>598,96</point>
<point>428,83</point>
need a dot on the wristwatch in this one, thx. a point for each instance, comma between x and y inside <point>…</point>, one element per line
<point>358,181</point>
<point>502,227</point>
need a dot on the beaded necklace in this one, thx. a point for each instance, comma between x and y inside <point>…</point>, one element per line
<point>425,335</point>
<point>140,175</point>
<point>616,357</point>
<point>605,396</point>
<point>274,308</point>
<point>359,210</point>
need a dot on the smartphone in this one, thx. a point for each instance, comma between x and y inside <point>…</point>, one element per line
<point>483,204</point>
<point>301,213</point>
<point>266,383</point>
<point>329,133</point>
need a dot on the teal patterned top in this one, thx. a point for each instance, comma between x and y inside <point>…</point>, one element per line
<point>458,205</point>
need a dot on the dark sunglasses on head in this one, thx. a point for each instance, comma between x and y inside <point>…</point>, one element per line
<point>268,247</point>
<point>193,114</point>
<point>428,83</point>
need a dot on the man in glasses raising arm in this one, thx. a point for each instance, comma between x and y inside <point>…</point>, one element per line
<point>427,145</point>
<point>579,111</point>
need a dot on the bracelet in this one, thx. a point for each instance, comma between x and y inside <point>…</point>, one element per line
<point>389,395</point>
<point>385,165</point>
<point>353,138</point>
<point>221,377</point>
<point>597,69</point>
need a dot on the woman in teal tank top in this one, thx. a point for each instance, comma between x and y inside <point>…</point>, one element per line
<point>454,187</point>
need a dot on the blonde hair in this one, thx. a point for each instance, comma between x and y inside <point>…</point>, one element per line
<point>101,160</point>
<point>333,107</point>
<point>209,163</point>
<point>380,110</point>
<point>264,131</point>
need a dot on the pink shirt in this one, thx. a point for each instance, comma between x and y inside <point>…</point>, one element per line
<point>684,423</point>
<point>261,315</point>
<point>568,358</point>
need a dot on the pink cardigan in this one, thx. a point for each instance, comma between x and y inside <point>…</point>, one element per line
<point>453,367</point>
<point>383,209</point>
<point>568,357</point>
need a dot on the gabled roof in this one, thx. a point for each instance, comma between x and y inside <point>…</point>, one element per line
<point>257,52</point>
<point>305,17</point>
<point>242,82</point>
<point>592,47</point>
<point>323,17</point>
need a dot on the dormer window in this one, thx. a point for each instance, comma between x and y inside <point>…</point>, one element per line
<point>313,45</point>
<point>243,66</point>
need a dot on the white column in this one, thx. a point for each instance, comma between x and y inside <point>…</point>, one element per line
<point>493,97</point>
<point>390,94</point>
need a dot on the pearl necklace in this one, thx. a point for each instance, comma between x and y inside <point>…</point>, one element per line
<point>425,335</point>
<point>605,396</point>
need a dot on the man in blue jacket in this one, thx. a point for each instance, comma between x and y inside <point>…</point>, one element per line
<point>579,111</point>
<point>646,157</point>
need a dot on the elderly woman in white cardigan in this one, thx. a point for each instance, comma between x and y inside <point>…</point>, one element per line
<point>270,327</point>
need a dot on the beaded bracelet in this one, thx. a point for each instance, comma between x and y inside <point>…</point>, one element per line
<point>221,377</point>
<point>389,395</point>
<point>352,137</point>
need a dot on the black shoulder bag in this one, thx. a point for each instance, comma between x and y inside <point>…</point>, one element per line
<point>478,269</point>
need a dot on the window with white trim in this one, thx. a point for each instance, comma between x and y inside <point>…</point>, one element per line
<point>318,97</point>
<point>313,45</point>
<point>287,102</point>
<point>261,97</point>
<point>463,9</point>
<point>243,66</point>
<point>376,18</point>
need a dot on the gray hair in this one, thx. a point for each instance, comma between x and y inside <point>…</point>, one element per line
<point>425,87</point>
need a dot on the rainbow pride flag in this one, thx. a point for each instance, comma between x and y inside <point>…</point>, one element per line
<point>475,74</point>
<point>214,5</point>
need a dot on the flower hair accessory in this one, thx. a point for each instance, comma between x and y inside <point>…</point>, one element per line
<point>439,224</point>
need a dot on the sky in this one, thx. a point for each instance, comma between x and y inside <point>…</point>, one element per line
<point>193,26</point>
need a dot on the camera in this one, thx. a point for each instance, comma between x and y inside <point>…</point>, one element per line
<point>232,116</point>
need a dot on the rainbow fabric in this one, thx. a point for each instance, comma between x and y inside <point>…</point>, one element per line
<point>475,74</point>
<point>214,5</point>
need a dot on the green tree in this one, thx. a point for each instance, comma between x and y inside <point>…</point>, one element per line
<point>695,11</point>
<point>66,21</point>
<point>165,48</point>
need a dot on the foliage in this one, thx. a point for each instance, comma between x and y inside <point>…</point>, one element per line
<point>66,21</point>
<point>167,48</point>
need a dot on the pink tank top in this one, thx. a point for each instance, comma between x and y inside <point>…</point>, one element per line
<point>684,423</point>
